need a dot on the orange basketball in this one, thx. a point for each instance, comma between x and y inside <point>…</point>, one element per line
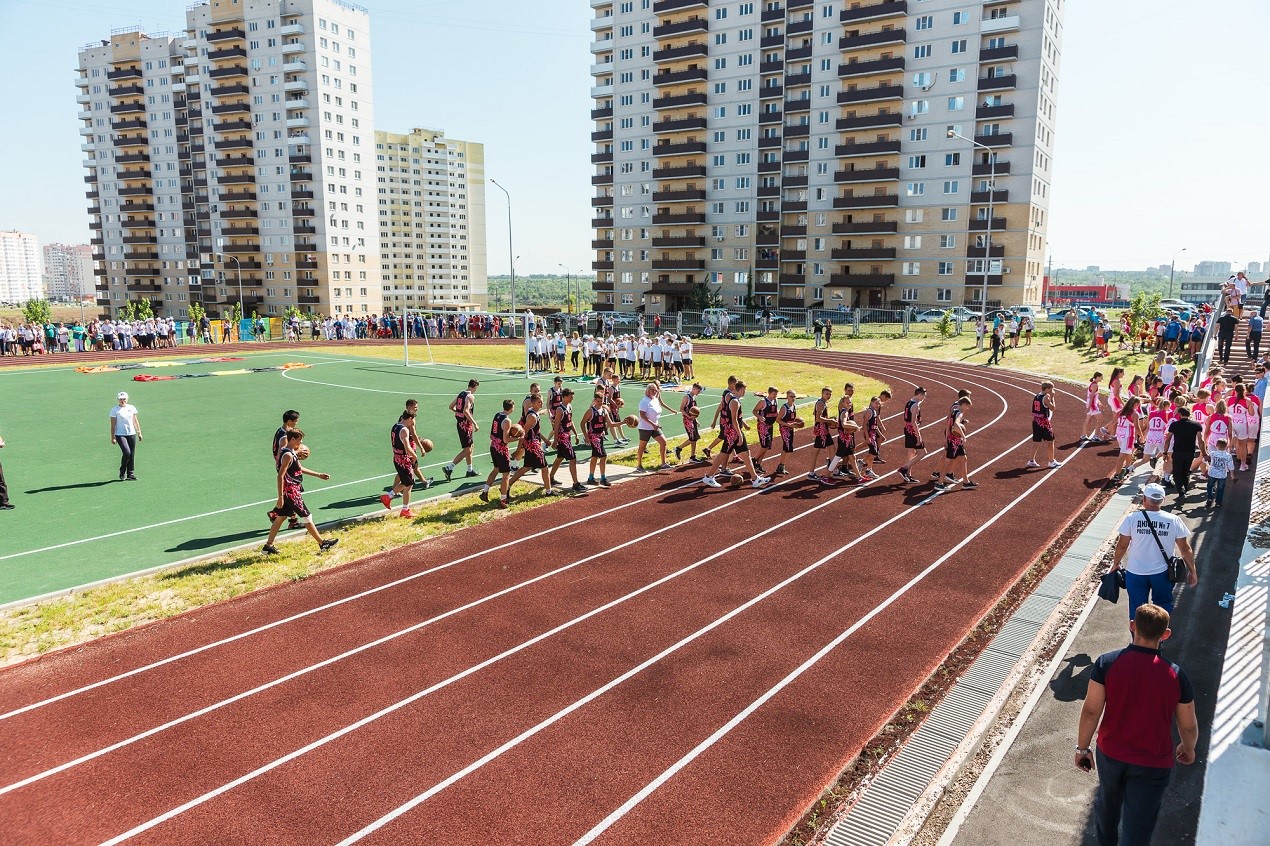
<point>427,445</point>
<point>797,423</point>
<point>693,412</point>
<point>620,402</point>
<point>302,452</point>
<point>631,420</point>
<point>515,432</point>
<point>847,427</point>
<point>736,481</point>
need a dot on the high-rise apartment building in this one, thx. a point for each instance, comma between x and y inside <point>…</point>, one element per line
<point>21,268</point>
<point>68,271</point>
<point>238,151</point>
<point>431,220</point>
<point>798,152</point>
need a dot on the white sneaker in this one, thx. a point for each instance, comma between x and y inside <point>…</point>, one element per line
<point>711,482</point>
<point>870,474</point>
<point>1243,467</point>
<point>1054,464</point>
<point>1031,464</point>
<point>760,481</point>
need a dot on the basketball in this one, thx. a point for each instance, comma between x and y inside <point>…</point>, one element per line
<point>693,412</point>
<point>427,445</point>
<point>848,427</point>
<point>631,420</point>
<point>735,480</point>
<point>302,452</point>
<point>620,402</point>
<point>797,423</point>
<point>515,432</point>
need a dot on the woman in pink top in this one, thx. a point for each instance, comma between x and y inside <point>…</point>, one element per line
<point>1217,426</point>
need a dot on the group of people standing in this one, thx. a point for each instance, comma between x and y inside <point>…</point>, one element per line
<point>666,358</point>
<point>33,339</point>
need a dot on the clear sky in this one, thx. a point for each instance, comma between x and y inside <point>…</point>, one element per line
<point>1160,120</point>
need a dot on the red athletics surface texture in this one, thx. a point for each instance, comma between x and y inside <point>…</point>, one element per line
<point>657,663</point>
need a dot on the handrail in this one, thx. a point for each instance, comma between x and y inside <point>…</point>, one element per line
<point>1205,349</point>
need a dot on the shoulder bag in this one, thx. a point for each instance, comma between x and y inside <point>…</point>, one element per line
<point>1176,565</point>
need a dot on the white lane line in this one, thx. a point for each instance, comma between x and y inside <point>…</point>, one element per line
<point>476,668</point>
<point>740,717</point>
<point>600,691</point>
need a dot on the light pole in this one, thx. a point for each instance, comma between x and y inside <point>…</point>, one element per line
<point>1172,263</point>
<point>568,288</point>
<point>509,250</point>
<point>992,190</point>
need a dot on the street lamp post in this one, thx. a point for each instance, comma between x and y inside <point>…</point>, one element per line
<point>509,250</point>
<point>568,288</point>
<point>1172,263</point>
<point>992,190</point>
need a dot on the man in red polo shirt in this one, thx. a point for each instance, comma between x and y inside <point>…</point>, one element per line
<point>1137,694</point>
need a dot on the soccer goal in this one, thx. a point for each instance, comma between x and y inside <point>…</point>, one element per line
<point>420,327</point>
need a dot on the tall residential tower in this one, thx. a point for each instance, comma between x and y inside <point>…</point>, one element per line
<point>799,153</point>
<point>21,268</point>
<point>68,271</point>
<point>238,151</point>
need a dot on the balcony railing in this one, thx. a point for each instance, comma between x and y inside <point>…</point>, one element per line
<point>861,280</point>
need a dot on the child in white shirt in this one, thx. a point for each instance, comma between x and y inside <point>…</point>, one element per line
<point>1219,466</point>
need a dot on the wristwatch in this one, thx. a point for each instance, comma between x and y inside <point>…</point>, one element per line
<point>1084,751</point>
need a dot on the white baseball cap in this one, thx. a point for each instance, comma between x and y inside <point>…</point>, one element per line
<point>1153,492</point>
<point>123,395</point>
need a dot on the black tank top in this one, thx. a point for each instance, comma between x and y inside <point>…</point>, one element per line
<point>496,430</point>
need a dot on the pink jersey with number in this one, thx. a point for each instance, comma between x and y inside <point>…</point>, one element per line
<point>1091,398</point>
<point>1200,411</point>
<point>1157,425</point>
<point>1218,428</point>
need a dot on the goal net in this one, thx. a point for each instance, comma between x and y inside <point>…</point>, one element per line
<point>421,327</point>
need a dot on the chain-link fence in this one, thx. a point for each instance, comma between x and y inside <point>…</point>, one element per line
<point>860,322</point>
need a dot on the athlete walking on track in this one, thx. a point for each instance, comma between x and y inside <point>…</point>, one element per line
<point>534,449</point>
<point>500,454</point>
<point>291,494</point>
<point>403,453</point>
<point>1043,425</point>
<point>464,409</point>
<point>595,422</point>
<point>913,444</point>
<point>691,427</point>
<point>822,438</point>
<point>788,414</point>
<point>765,414</point>
<point>732,427</point>
<point>958,472</point>
<point>563,434</point>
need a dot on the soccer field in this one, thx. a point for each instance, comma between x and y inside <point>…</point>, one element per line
<point>206,475</point>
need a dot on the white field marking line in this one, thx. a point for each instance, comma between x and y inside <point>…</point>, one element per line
<point>474,669</point>
<point>26,371</point>
<point>736,720</point>
<point>918,364</point>
<point>600,691</point>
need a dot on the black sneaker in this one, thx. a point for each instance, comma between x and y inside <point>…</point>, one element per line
<point>484,495</point>
<point>327,544</point>
<point>936,475</point>
<point>269,549</point>
<point>579,488</point>
<point>678,451</point>
<point>969,485</point>
<point>906,477</point>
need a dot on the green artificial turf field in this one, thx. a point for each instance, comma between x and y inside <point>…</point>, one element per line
<point>206,475</point>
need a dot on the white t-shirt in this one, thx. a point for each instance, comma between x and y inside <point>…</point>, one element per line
<point>125,417</point>
<point>1144,557</point>
<point>649,407</point>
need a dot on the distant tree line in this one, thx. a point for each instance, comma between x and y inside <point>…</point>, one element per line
<point>536,290</point>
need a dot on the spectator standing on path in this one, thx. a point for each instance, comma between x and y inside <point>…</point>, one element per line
<point>1252,345</point>
<point>125,430</point>
<point>828,333</point>
<point>980,329</point>
<point>1069,325</point>
<point>1226,335</point>
<point>5,505</point>
<point>818,331</point>
<point>1134,697</point>
<point>1144,562</point>
<point>995,358</point>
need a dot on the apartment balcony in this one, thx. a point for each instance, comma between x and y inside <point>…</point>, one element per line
<point>693,98</point>
<point>238,231</point>
<point>687,51</point>
<point>868,174</point>
<point>678,264</point>
<point>801,104</point>
<point>249,264</point>
<point>129,208</point>
<point>871,95</point>
<point>229,90</point>
<point>796,80</point>
<point>680,125</point>
<point>304,262</point>
<point>94,210</point>
<point>769,167</point>
<point>863,254</point>
<point>1007,23</point>
<point>679,77</point>
<point>671,289</point>
<point>796,155</point>
<point>85,130</point>
<point>771,117</point>
<point>137,223</point>
<point>294,66</point>
<point>300,158</point>
<point>304,300</point>
<point>867,201</point>
<point>292,47</point>
<point>223,35</point>
<point>876,121</point>
<point>679,241</point>
<point>867,227</point>
<point>681,27</point>
<point>771,66</point>
<point>128,108</point>
<point>602,178</point>
<point>301,193</point>
<point>984,197</point>
<point>138,191</point>
<point>132,90</point>
<point>239,125</point>
<point>305,247</point>
<point>601,135</point>
<point>601,222</point>
<point>238,249</point>
<point>303,211</point>
<point>141,239</point>
<point>987,169</point>
<point>994,112</point>
<point>246,195</point>
<point>237,179</point>
<point>602,244</point>
<point>601,265</point>
<point>990,83</point>
<point>769,191</point>
<point>241,108</point>
<point>227,53</point>
<point>679,196</point>
<point>602,114</point>
<point>297,123</point>
<point>998,225</point>
<point>998,251</point>
<point>874,11</point>
<point>605,157</point>
<point>291,29</point>
<point>873,39</point>
<point>793,255</point>
<point>141,255</point>
<point>861,280</point>
<point>237,213</point>
<point>128,123</point>
<point>976,280</point>
<point>295,85</point>
<point>675,218</point>
<point>680,149</point>
<point>1009,53</point>
<point>132,158</point>
<point>83,99</point>
<point>604,68</point>
<point>682,172</point>
<point>999,139</point>
<point>868,148</point>
<point>124,73</point>
<point>233,144</point>
<point>868,68</point>
<point>143,287</point>
<point>602,201</point>
<point>796,130</point>
<point>229,72</point>
<point>304,229</point>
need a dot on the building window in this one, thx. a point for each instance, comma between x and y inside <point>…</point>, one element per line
<point>959,46</point>
<point>917,135</point>
<point>911,268</point>
<point>921,51</point>
<point>908,295</point>
<point>947,242</point>
<point>951,186</point>
<point>916,161</point>
<point>948,214</point>
<point>915,189</point>
<point>944,268</point>
<point>952,159</point>
<point>943,295</point>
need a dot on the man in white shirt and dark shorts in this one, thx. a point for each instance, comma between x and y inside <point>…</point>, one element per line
<point>650,411</point>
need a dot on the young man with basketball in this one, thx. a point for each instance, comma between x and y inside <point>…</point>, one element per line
<point>500,436</point>
<point>785,420</point>
<point>562,433</point>
<point>1043,426</point>
<point>535,454</point>
<point>766,410</point>
<point>843,463</point>
<point>291,494</point>
<point>822,425</point>
<point>595,422</point>
<point>691,427</point>
<point>955,450</point>
<point>714,423</point>
<point>913,443</point>
<point>290,420</point>
<point>464,409</point>
<point>733,427</point>
<point>874,433</point>
<point>403,461</point>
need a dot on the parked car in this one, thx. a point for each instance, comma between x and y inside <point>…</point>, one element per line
<point>781,321</point>
<point>931,315</point>
<point>1026,311</point>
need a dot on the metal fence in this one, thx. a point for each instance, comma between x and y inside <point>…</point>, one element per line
<point>861,322</point>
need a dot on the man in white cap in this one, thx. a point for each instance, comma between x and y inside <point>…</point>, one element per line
<point>1145,561</point>
<point>125,430</point>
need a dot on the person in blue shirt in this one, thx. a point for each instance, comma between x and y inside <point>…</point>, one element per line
<point>1259,387</point>
<point>1253,342</point>
<point>1171,331</point>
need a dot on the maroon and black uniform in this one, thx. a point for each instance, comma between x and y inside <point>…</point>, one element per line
<point>564,438</point>
<point>279,444</point>
<point>615,395</point>
<point>555,399</point>
<point>1042,426</point>
<point>595,429</point>
<point>400,458</point>
<point>846,440</point>
<point>766,422</point>
<point>913,425</point>
<point>691,427</point>
<point>820,431</point>
<point>787,414</point>
<point>498,446</point>
<point>872,431</point>
<point>464,425</point>
<point>292,489</point>
<point>955,444</point>
<point>535,452</point>
<point>730,429</point>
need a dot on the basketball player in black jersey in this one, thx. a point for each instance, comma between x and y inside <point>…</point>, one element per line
<point>595,422</point>
<point>732,426</point>
<point>691,427</point>
<point>464,409</point>
<point>290,420</point>
<point>785,420</point>
<point>913,434</point>
<point>765,413</point>
<point>500,454</point>
<point>563,435</point>
<point>291,495</point>
<point>403,462</point>
<point>533,448</point>
<point>718,438</point>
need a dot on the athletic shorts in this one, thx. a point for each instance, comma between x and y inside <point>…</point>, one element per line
<point>564,449</point>
<point>954,450</point>
<point>692,430</point>
<point>535,459</point>
<point>645,435</point>
<point>405,473</point>
<point>734,442</point>
<point>597,446</point>
<point>913,440</point>
<point>787,439</point>
<point>874,449</point>
<point>764,435</point>
<point>502,461</point>
<point>1042,434</point>
<point>846,447</point>
<point>1127,445</point>
<point>1240,430</point>
<point>824,440</point>
<point>292,506</point>
<point>1153,447</point>
<point>1096,413</point>
<point>465,433</point>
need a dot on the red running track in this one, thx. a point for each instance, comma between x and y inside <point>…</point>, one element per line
<point>662,663</point>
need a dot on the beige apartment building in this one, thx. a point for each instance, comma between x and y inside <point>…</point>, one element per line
<point>431,221</point>
<point>68,271</point>
<point>797,153</point>
<point>234,161</point>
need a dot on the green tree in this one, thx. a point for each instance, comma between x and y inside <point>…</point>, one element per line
<point>37,311</point>
<point>143,310</point>
<point>946,326</point>
<point>196,313</point>
<point>292,312</point>
<point>236,314</point>
<point>703,298</point>
<point>1143,309</point>
<point>127,311</point>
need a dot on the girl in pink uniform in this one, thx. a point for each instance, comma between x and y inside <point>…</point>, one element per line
<point>1217,426</point>
<point>1115,399</point>
<point>1245,423</point>
<point>1126,437</point>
